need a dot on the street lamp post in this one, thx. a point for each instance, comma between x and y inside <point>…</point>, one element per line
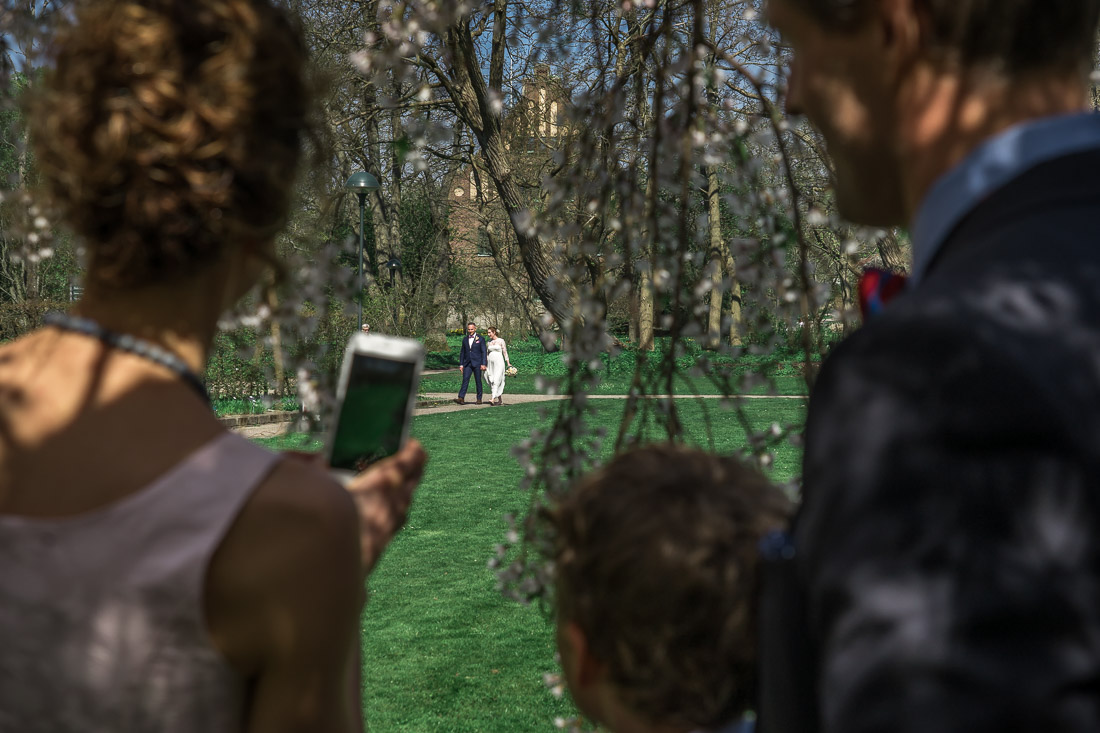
<point>361,183</point>
<point>394,265</point>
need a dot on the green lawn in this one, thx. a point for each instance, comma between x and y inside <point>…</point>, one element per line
<point>785,384</point>
<point>783,365</point>
<point>442,649</point>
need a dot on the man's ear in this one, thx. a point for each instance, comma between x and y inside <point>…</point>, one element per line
<point>905,30</point>
<point>586,669</point>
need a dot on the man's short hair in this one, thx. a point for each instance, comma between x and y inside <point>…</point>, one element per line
<point>1013,36</point>
<point>655,561</point>
<point>471,323</point>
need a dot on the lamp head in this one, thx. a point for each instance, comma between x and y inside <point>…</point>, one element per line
<point>362,182</point>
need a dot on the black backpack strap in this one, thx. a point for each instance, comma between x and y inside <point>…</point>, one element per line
<point>788,666</point>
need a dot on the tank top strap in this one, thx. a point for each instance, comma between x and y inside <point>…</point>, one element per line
<point>198,501</point>
<point>172,526</point>
<point>102,613</point>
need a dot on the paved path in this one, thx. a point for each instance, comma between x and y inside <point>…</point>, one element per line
<point>277,429</point>
<point>521,399</point>
<point>273,430</point>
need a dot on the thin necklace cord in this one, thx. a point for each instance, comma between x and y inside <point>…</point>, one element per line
<point>130,344</point>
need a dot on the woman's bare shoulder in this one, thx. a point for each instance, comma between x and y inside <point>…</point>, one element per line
<point>296,518</point>
<point>296,537</point>
<point>301,497</point>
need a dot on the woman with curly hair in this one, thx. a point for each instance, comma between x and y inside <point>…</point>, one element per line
<point>156,572</point>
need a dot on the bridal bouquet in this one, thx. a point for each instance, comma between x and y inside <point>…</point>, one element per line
<point>511,371</point>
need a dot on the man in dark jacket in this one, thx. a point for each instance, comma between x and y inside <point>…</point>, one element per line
<point>472,361</point>
<point>943,573</point>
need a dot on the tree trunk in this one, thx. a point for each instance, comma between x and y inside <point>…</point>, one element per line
<point>383,206</point>
<point>633,331</point>
<point>891,253</point>
<point>276,341</point>
<point>714,214</point>
<point>30,264</point>
<point>714,306</point>
<point>511,279</point>
<point>734,310</point>
<point>645,310</point>
<point>30,273</point>
<point>436,337</point>
<point>12,288</point>
<point>642,83</point>
<point>467,88</point>
<point>397,163</point>
<point>720,251</point>
<point>436,320</point>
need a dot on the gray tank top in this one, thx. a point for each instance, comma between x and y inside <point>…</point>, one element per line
<point>101,614</point>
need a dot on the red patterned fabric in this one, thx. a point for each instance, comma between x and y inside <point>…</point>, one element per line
<point>876,288</point>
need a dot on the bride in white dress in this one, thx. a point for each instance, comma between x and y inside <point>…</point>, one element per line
<point>498,362</point>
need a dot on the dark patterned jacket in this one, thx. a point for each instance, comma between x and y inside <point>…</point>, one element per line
<point>946,560</point>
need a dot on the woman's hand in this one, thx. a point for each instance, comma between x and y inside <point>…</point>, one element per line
<point>383,494</point>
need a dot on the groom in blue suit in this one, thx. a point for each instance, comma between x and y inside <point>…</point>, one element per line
<point>473,360</point>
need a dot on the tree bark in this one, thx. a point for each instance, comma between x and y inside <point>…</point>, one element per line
<point>890,252</point>
<point>733,311</point>
<point>720,251</point>
<point>397,164</point>
<point>714,265</point>
<point>276,341</point>
<point>382,203</point>
<point>646,338</point>
<point>467,88</point>
<point>30,264</point>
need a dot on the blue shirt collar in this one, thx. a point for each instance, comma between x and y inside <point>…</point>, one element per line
<point>988,167</point>
<point>744,724</point>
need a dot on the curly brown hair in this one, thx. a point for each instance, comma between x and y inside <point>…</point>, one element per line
<point>168,130</point>
<point>655,561</point>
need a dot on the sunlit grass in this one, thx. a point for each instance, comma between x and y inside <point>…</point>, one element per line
<point>442,649</point>
<point>784,384</point>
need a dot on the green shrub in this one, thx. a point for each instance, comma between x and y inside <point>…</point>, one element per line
<point>441,360</point>
<point>17,319</point>
<point>325,348</point>
<point>236,367</point>
<point>242,365</point>
<point>254,405</point>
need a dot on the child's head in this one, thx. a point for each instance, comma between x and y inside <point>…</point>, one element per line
<point>655,566</point>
